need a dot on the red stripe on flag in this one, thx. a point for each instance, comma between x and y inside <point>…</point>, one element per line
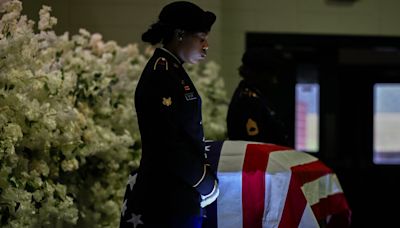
<point>294,205</point>
<point>253,183</point>
<point>310,171</point>
<point>295,200</point>
<point>336,206</point>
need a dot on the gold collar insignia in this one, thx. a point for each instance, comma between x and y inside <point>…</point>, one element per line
<point>166,101</point>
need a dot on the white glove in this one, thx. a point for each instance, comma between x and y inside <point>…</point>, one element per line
<point>210,198</point>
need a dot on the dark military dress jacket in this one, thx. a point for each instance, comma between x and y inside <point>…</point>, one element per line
<point>173,169</point>
<point>251,117</point>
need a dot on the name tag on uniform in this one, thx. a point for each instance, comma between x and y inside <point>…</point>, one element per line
<point>190,96</point>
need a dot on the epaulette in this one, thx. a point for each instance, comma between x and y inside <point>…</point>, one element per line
<point>248,93</point>
<point>161,63</point>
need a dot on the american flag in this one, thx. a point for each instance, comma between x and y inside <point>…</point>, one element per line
<point>267,185</point>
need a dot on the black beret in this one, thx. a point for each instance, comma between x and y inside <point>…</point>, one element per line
<point>186,16</point>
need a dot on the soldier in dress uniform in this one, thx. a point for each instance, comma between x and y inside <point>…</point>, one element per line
<point>260,102</point>
<point>174,181</point>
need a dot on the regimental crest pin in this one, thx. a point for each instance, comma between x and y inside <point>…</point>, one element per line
<point>166,101</point>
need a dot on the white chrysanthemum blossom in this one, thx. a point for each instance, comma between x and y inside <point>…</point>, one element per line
<point>40,167</point>
<point>12,132</point>
<point>68,83</point>
<point>96,43</point>
<point>11,6</point>
<point>46,21</point>
<point>70,165</point>
<point>12,11</point>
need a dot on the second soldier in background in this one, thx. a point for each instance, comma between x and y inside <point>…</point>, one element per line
<point>260,107</point>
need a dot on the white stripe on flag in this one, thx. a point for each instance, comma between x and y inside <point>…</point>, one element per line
<point>232,156</point>
<point>276,189</point>
<point>283,160</point>
<point>308,219</point>
<point>229,202</point>
<point>324,186</point>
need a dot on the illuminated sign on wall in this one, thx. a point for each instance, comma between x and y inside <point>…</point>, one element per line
<point>307,117</point>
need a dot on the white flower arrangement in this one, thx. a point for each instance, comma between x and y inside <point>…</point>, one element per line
<point>68,130</point>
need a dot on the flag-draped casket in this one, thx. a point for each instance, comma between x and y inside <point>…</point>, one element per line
<point>266,185</point>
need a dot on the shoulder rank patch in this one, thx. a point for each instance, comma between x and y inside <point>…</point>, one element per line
<point>161,62</point>
<point>251,127</point>
<point>166,101</point>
